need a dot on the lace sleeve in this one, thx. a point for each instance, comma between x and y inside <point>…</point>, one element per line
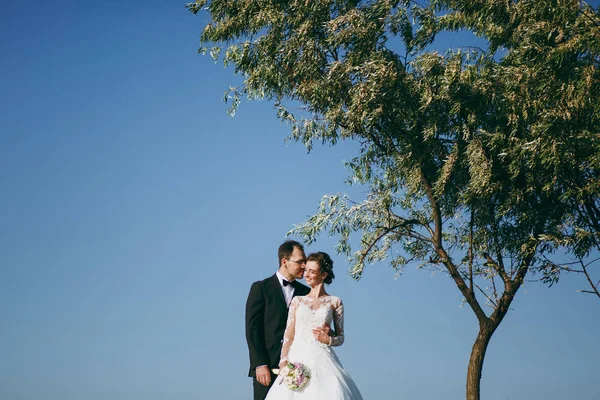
<point>290,330</point>
<point>338,320</point>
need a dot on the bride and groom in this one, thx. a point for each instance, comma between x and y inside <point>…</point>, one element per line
<point>288,321</point>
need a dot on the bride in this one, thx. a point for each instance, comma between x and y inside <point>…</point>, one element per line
<point>304,340</point>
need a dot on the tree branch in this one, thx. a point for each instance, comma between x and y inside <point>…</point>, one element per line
<point>512,286</point>
<point>468,293</point>
<point>380,236</point>
<point>589,279</point>
<point>470,253</point>
<point>490,261</point>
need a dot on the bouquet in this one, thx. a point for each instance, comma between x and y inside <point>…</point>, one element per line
<point>294,374</point>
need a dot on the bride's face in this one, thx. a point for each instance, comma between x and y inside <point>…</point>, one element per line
<point>313,274</point>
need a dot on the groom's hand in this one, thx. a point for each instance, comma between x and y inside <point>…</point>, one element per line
<point>263,375</point>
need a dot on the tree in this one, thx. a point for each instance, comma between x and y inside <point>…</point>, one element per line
<point>480,162</point>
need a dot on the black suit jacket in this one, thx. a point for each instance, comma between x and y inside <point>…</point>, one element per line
<point>266,317</point>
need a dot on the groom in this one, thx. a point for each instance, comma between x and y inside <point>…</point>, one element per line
<point>266,314</point>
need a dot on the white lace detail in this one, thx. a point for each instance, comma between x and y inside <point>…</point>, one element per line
<point>307,313</point>
<point>329,380</point>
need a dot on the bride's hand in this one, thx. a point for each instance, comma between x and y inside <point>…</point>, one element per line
<point>322,335</point>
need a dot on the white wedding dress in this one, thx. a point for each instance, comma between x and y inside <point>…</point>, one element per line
<point>329,380</point>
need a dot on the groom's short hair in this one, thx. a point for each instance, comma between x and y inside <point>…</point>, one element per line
<point>287,248</point>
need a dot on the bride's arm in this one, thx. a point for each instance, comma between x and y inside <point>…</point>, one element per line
<point>290,331</point>
<point>338,320</point>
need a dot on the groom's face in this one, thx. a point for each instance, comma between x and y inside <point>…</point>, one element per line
<point>296,263</point>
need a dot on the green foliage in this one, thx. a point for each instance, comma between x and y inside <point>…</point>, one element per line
<point>480,162</point>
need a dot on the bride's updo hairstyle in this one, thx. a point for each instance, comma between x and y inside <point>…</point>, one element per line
<point>325,264</point>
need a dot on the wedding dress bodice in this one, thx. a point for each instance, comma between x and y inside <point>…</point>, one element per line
<point>328,378</point>
<point>307,313</point>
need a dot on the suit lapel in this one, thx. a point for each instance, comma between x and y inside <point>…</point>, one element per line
<point>276,288</point>
<point>297,289</point>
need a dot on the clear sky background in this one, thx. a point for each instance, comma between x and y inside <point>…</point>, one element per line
<point>135,214</point>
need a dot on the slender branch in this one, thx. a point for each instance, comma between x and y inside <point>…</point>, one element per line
<point>589,279</point>
<point>471,251</point>
<point>380,236</point>
<point>497,268</point>
<point>595,22</point>
<point>416,235</point>
<point>512,286</point>
<point>571,263</point>
<point>468,293</point>
<point>475,285</point>
<point>495,289</point>
<point>471,47</point>
<point>370,246</point>
<point>493,301</point>
<point>435,209</point>
<point>497,246</point>
<point>522,271</point>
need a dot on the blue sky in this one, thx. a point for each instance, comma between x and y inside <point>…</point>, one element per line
<point>135,214</point>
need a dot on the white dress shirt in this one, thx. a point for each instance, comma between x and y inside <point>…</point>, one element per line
<point>288,291</point>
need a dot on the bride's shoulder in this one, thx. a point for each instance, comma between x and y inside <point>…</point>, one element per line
<point>335,299</point>
<point>299,299</point>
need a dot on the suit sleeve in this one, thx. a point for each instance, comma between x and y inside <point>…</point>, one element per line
<point>255,335</point>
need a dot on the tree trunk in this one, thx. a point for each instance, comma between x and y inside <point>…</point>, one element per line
<point>476,361</point>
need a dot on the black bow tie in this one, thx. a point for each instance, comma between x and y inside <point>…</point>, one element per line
<point>285,283</point>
